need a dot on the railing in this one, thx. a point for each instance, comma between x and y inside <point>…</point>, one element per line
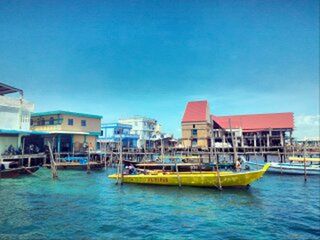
<point>47,122</point>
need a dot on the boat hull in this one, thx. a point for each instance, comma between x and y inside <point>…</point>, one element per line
<point>15,172</point>
<point>77,166</point>
<point>296,169</point>
<point>9,173</point>
<point>195,179</point>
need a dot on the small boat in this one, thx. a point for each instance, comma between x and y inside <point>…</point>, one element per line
<point>76,163</point>
<point>293,167</point>
<point>12,170</point>
<point>77,166</point>
<point>195,179</point>
<point>9,173</point>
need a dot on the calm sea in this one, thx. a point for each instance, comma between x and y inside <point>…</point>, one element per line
<point>90,206</point>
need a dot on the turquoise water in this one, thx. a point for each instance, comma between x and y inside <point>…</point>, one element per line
<point>90,206</point>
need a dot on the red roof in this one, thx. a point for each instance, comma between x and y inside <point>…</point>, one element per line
<point>256,122</point>
<point>197,111</point>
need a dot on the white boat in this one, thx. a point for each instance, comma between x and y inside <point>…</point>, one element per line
<point>292,167</point>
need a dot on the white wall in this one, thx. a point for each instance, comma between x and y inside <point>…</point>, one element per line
<point>144,127</point>
<point>15,115</point>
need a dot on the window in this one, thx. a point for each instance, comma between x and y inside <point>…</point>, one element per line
<point>31,122</point>
<point>101,133</point>
<point>194,126</point>
<point>70,122</point>
<point>83,123</point>
<point>118,131</point>
<point>51,121</point>
<point>194,142</point>
<point>43,121</point>
<point>194,132</point>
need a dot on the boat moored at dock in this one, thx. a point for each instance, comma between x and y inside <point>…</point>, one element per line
<point>76,163</point>
<point>195,179</point>
<point>293,167</point>
<point>12,170</point>
<point>9,173</point>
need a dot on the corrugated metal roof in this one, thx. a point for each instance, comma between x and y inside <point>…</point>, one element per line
<point>6,89</point>
<point>40,114</point>
<point>256,121</point>
<point>196,111</point>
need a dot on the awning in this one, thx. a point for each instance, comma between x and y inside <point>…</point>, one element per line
<point>11,131</point>
<point>68,132</point>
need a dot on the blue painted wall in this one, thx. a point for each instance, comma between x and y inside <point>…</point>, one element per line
<point>111,133</point>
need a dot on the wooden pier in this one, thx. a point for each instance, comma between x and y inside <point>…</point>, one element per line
<point>152,154</point>
<point>25,159</point>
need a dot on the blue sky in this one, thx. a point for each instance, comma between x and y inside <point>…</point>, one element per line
<point>124,58</point>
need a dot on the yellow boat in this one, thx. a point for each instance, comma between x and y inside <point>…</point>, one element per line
<point>196,179</point>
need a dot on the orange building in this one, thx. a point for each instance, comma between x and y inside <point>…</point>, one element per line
<point>68,131</point>
<point>198,127</point>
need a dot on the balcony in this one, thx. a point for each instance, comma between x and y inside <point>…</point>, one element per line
<point>46,122</point>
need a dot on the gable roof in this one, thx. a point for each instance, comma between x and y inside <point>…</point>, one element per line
<point>256,122</point>
<point>42,114</point>
<point>197,111</point>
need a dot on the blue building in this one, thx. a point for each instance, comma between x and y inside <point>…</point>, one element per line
<point>110,135</point>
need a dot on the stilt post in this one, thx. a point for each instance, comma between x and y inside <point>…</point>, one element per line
<point>214,150</point>
<point>52,163</point>
<point>304,161</point>
<point>235,155</point>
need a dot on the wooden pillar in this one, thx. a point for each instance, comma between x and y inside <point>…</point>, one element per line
<point>255,140</point>
<point>234,143</point>
<point>213,149</point>
<point>52,163</point>
<point>72,144</point>
<point>260,141</point>
<point>88,162</point>
<point>223,145</point>
<point>268,140</point>
<point>265,158</point>
<point>281,139</point>
<point>29,161</point>
<point>59,143</point>
<point>162,153</point>
<point>284,148</point>
<point>23,143</point>
<point>304,161</point>
<point>242,140</point>
<point>270,137</point>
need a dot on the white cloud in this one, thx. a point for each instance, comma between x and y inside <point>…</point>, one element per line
<point>307,126</point>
